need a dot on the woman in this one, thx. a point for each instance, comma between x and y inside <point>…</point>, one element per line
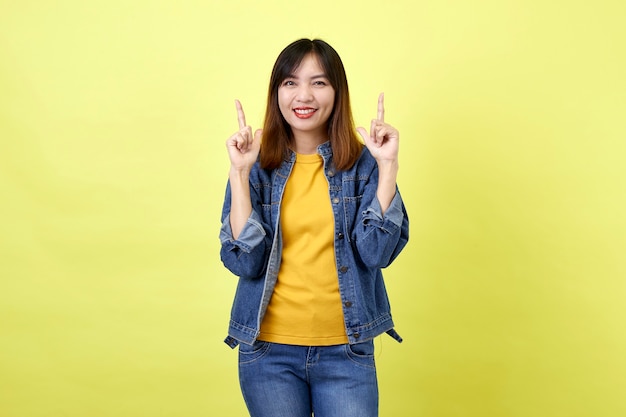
<point>310,217</point>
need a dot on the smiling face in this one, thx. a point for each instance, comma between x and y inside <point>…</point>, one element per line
<point>306,100</point>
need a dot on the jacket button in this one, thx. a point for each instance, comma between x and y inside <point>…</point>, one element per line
<point>356,335</point>
<point>331,173</point>
<point>348,303</point>
<point>340,236</point>
<point>335,200</point>
<point>343,269</point>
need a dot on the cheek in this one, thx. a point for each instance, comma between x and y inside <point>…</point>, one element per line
<point>281,105</point>
<point>330,99</point>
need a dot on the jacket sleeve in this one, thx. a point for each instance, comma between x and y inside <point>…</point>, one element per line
<point>245,256</point>
<point>380,238</point>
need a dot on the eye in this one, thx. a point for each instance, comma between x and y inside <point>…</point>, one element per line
<point>320,83</point>
<point>288,83</point>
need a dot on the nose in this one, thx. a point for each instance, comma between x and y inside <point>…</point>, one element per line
<point>305,93</point>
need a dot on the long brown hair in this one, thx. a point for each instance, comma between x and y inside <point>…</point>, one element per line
<point>277,135</point>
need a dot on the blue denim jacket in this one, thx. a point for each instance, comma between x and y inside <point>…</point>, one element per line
<point>365,242</point>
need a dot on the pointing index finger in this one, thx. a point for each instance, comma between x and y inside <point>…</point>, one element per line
<point>240,115</point>
<point>381,107</point>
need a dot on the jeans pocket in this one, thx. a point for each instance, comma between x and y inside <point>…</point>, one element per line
<point>251,353</point>
<point>361,353</point>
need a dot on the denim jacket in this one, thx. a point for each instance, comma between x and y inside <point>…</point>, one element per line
<point>365,242</point>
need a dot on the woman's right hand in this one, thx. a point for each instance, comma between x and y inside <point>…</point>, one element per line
<point>243,147</point>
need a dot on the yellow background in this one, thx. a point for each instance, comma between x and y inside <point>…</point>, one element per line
<point>113,117</point>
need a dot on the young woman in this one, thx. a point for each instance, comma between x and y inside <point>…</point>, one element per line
<point>310,217</point>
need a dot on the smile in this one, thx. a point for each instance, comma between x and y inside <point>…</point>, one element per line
<point>304,112</point>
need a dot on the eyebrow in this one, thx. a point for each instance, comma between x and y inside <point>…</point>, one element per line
<point>312,78</point>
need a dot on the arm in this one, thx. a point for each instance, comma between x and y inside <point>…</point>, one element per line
<point>387,175</point>
<point>246,255</point>
<point>383,143</point>
<point>380,235</point>
<point>243,150</point>
<point>240,205</point>
<point>384,227</point>
<point>242,233</point>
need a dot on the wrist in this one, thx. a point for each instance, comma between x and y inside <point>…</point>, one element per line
<point>239,172</point>
<point>388,166</point>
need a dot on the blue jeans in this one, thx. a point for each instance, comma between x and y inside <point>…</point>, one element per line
<point>295,381</point>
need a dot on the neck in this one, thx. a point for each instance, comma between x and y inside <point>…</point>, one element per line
<point>307,143</point>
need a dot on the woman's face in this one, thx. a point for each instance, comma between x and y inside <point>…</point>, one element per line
<point>306,99</point>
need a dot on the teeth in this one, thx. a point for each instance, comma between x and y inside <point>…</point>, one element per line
<point>304,111</point>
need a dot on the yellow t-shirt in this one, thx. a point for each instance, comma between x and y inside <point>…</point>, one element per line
<point>305,308</point>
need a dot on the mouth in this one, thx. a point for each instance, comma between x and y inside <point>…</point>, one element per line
<point>304,112</point>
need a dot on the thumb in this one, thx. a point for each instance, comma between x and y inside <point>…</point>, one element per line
<point>257,134</point>
<point>363,134</point>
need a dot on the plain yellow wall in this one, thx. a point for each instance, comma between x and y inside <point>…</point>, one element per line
<point>113,118</point>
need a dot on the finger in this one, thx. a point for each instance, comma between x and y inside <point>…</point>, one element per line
<point>373,132</point>
<point>248,137</point>
<point>381,136</point>
<point>380,132</point>
<point>381,107</point>
<point>240,115</point>
<point>383,132</point>
<point>240,142</point>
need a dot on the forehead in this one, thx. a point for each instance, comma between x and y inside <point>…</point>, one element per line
<point>310,64</point>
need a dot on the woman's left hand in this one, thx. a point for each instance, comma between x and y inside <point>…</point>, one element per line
<point>383,139</point>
